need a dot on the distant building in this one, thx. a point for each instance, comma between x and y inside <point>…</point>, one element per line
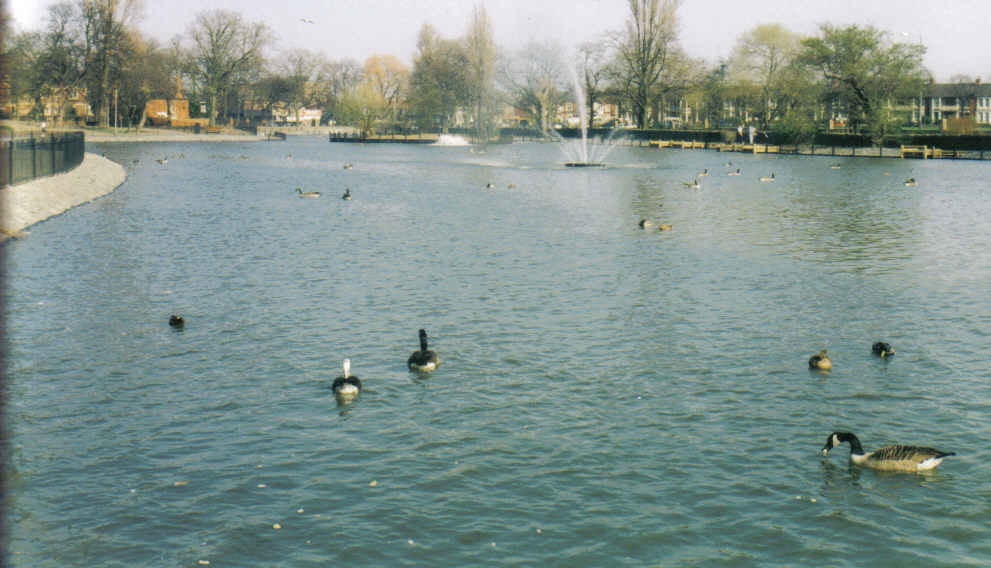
<point>943,103</point>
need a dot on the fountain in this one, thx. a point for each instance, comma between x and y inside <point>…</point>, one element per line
<point>577,151</point>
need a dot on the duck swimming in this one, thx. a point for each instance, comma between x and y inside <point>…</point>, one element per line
<point>820,361</point>
<point>888,458</point>
<point>882,349</point>
<point>347,194</point>
<point>423,360</point>
<point>910,182</point>
<point>177,321</point>
<point>645,224</point>
<point>307,194</point>
<point>694,184</point>
<point>768,178</point>
<point>736,173</point>
<point>347,385</point>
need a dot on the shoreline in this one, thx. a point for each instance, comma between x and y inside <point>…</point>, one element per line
<point>30,203</point>
<point>167,136</point>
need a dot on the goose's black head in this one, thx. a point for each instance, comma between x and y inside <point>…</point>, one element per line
<point>837,438</point>
<point>882,349</point>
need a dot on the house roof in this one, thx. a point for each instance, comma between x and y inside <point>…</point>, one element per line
<point>959,90</point>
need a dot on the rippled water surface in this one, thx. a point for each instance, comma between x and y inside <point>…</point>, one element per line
<point>608,396</point>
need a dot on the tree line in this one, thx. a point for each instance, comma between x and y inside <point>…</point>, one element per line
<point>773,79</point>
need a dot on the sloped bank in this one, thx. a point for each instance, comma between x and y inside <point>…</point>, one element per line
<point>29,203</point>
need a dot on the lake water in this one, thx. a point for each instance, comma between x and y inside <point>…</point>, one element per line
<point>608,396</point>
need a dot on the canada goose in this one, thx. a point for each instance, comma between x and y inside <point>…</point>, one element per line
<point>347,385</point>
<point>177,321</point>
<point>347,194</point>
<point>882,349</point>
<point>767,178</point>
<point>163,160</point>
<point>820,361</point>
<point>645,224</point>
<point>349,166</point>
<point>308,194</point>
<point>490,185</point>
<point>423,360</point>
<point>703,173</point>
<point>910,182</point>
<point>835,166</point>
<point>694,184</point>
<point>736,173</point>
<point>888,458</point>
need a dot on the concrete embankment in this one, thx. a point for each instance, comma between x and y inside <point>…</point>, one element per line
<point>28,203</point>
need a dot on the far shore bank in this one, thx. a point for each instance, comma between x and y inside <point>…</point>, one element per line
<point>27,204</point>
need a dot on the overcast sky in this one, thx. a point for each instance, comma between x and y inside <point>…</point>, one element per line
<point>955,32</point>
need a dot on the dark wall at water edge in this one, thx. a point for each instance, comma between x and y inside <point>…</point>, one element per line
<point>973,142</point>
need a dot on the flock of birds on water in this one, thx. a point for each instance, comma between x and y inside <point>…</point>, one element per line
<point>900,458</point>
<point>696,183</point>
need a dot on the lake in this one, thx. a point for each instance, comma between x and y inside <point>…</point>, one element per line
<point>608,396</point>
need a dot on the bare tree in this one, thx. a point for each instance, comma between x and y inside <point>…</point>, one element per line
<point>593,59</point>
<point>535,81</point>
<point>106,23</point>
<point>481,53</point>
<point>644,52</point>
<point>226,51</point>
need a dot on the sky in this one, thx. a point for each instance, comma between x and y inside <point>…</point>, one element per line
<point>954,31</point>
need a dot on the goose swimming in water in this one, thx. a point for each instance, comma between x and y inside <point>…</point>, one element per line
<point>736,173</point>
<point>645,224</point>
<point>703,173</point>
<point>768,178</point>
<point>490,185</point>
<point>347,194</point>
<point>307,194</point>
<point>882,349</point>
<point>349,166</point>
<point>694,184</point>
<point>423,360</point>
<point>347,385</point>
<point>910,182</point>
<point>820,361</point>
<point>888,458</point>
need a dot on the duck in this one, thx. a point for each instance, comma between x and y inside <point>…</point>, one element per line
<point>888,458</point>
<point>490,185</point>
<point>424,360</point>
<point>163,160</point>
<point>349,166</point>
<point>835,166</point>
<point>694,184</point>
<point>910,182</point>
<point>882,349</point>
<point>308,194</point>
<point>347,385</point>
<point>645,224</point>
<point>820,361</point>
<point>177,321</point>
<point>736,173</point>
<point>511,186</point>
<point>347,194</point>
<point>767,178</point>
<point>703,173</point>
<point>666,227</point>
